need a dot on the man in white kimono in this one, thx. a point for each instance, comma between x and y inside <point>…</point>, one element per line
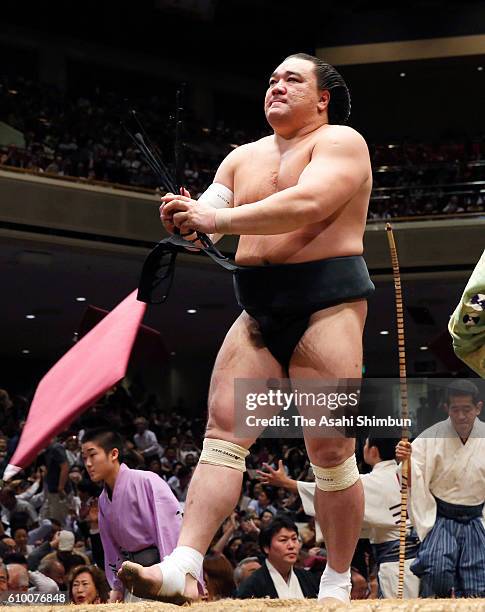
<point>447,493</point>
<point>382,497</point>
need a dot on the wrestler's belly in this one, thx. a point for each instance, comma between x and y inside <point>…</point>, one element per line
<point>296,247</point>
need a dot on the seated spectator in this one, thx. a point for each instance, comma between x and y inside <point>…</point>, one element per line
<point>64,542</point>
<point>132,457</point>
<point>54,570</point>
<point>20,536</point>
<point>245,568</point>
<point>3,578</point>
<point>232,548</point>
<point>265,518</point>
<point>51,541</point>
<point>179,482</point>
<point>18,578</point>
<point>37,580</point>
<point>168,461</point>
<point>9,505</point>
<point>88,585</point>
<point>278,578</point>
<point>145,440</point>
<point>453,206</point>
<point>18,520</point>
<point>190,459</point>
<point>32,490</point>
<point>263,502</point>
<point>156,467</point>
<point>218,577</point>
<point>75,476</point>
<point>7,546</point>
<point>73,451</point>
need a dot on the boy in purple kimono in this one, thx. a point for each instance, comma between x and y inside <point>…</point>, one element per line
<point>139,516</point>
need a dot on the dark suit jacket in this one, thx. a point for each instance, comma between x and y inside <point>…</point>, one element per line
<point>260,584</point>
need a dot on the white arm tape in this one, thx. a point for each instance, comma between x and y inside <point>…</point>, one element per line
<point>218,196</point>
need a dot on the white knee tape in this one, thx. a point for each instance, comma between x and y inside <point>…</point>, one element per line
<point>337,478</point>
<point>220,452</point>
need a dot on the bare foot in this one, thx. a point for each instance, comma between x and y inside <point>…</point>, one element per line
<point>146,582</point>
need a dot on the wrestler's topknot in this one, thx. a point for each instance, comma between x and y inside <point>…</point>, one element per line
<point>329,78</point>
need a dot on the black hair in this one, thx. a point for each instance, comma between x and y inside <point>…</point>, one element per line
<point>19,520</point>
<point>329,78</point>
<point>15,558</point>
<point>184,472</point>
<point>105,438</point>
<point>269,492</point>
<point>385,446</point>
<point>86,486</point>
<point>459,388</point>
<point>276,525</point>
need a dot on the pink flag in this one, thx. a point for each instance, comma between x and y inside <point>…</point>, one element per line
<point>89,369</point>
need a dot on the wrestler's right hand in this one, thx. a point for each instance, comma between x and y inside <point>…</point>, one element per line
<point>403,451</point>
<point>170,227</point>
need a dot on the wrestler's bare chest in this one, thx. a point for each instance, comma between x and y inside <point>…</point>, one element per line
<point>265,169</point>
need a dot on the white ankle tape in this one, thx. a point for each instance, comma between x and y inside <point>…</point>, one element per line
<point>175,567</point>
<point>335,584</point>
<point>220,452</point>
<point>337,478</point>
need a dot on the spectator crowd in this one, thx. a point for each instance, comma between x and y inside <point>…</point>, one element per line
<point>81,136</point>
<point>49,533</point>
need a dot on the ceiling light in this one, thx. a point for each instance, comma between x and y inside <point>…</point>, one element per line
<point>191,311</point>
<point>80,299</point>
<point>25,352</point>
<point>384,332</point>
<point>402,74</point>
<point>30,316</point>
<point>423,348</point>
<point>480,68</point>
<point>173,353</point>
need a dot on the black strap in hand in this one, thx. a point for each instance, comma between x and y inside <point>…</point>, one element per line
<point>159,268</point>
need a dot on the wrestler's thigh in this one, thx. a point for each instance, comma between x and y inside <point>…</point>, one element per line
<point>330,348</point>
<point>243,354</point>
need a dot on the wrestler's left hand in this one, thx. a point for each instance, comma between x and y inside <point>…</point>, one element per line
<point>188,214</point>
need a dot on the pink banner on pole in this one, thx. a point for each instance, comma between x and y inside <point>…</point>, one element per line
<point>89,369</point>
